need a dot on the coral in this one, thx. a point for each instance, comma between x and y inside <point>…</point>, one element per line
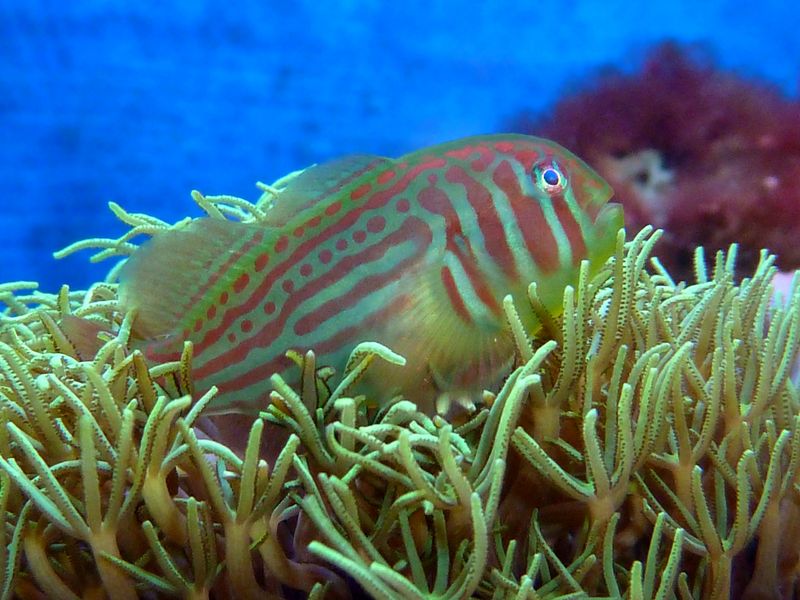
<point>706,155</point>
<point>646,445</point>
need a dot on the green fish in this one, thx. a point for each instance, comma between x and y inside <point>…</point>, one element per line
<point>416,253</point>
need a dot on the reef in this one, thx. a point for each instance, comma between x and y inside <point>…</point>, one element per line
<point>645,445</point>
<point>707,155</point>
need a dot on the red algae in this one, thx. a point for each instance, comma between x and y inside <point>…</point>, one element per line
<point>707,155</point>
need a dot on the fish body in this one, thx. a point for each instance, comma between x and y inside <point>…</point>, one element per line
<point>416,253</point>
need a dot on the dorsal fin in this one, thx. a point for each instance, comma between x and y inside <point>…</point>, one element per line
<point>319,182</point>
<point>166,276</point>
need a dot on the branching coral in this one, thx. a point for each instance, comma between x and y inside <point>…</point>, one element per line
<point>645,446</point>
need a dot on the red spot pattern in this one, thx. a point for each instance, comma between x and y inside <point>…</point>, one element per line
<point>241,283</point>
<point>385,177</point>
<point>223,298</point>
<point>360,191</point>
<point>247,325</point>
<point>204,289</point>
<point>343,336</point>
<point>282,244</point>
<point>261,262</point>
<point>461,153</point>
<point>434,162</point>
<point>410,229</point>
<point>288,286</point>
<point>224,357</point>
<point>403,205</point>
<point>359,236</point>
<point>336,187</point>
<point>377,200</point>
<point>325,256</point>
<point>305,270</point>
<point>211,312</point>
<point>269,308</point>
<point>376,224</point>
<point>481,156</point>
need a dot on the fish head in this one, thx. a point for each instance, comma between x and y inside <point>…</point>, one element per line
<point>558,199</point>
<point>547,170</point>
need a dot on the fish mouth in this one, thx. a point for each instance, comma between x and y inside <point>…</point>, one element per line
<point>594,195</point>
<point>610,216</point>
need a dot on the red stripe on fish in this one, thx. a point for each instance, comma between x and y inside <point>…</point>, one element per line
<point>308,246</point>
<point>202,291</point>
<point>414,253</point>
<point>411,228</point>
<point>539,238</point>
<point>572,229</point>
<point>480,156</point>
<point>435,201</point>
<point>334,187</point>
<point>260,373</point>
<point>456,300</point>
<point>375,319</point>
<point>494,236</point>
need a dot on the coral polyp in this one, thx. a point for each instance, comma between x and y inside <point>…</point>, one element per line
<point>645,444</point>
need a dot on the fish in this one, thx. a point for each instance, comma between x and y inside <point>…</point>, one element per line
<point>415,253</point>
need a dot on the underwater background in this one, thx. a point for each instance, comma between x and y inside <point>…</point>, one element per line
<point>140,103</point>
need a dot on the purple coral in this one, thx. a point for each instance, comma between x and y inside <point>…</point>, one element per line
<point>708,156</point>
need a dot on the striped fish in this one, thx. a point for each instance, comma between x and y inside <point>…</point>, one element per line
<point>415,253</point>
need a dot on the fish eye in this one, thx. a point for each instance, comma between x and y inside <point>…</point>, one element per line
<point>551,177</point>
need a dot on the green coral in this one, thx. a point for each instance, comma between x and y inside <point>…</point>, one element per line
<point>645,446</point>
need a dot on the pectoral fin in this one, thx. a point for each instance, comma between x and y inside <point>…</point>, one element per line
<point>452,348</point>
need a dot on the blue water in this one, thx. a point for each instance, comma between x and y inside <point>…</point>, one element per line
<point>141,102</point>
